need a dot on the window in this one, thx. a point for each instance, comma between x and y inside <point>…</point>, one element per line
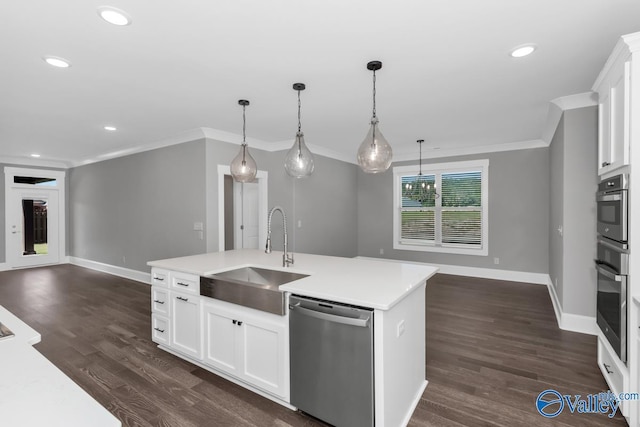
<point>443,210</point>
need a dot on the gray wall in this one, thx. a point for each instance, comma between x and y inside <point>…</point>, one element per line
<point>556,193</point>
<point>572,206</point>
<point>130,210</point>
<point>518,211</point>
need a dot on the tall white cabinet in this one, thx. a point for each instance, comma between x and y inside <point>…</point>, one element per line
<point>618,87</point>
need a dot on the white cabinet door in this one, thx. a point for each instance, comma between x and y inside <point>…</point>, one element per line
<point>264,354</point>
<point>222,348</point>
<point>247,344</point>
<point>185,324</point>
<point>613,120</point>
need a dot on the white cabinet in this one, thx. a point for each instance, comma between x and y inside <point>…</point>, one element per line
<point>185,324</point>
<point>247,344</point>
<point>614,106</point>
<point>160,301</point>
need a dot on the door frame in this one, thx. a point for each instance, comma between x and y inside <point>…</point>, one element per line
<point>60,188</point>
<point>263,189</point>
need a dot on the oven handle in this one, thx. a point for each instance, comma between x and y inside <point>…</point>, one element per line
<point>609,197</point>
<point>608,272</point>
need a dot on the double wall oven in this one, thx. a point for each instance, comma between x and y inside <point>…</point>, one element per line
<point>612,264</point>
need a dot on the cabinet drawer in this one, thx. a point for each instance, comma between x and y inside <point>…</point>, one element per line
<point>160,301</point>
<point>614,371</point>
<point>160,331</point>
<point>184,282</point>
<point>609,368</point>
<point>159,277</point>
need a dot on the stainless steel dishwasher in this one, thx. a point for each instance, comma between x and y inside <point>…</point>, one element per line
<point>331,352</point>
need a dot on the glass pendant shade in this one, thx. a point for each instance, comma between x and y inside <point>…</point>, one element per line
<point>375,153</point>
<point>299,160</point>
<point>243,166</point>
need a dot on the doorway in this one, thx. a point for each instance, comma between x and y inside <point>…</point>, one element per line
<point>242,211</point>
<point>34,215</point>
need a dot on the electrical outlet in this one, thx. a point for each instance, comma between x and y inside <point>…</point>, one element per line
<point>299,223</point>
<point>198,226</point>
<point>381,251</point>
<point>496,261</point>
<point>400,329</point>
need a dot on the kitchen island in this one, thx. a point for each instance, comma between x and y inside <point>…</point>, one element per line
<point>251,347</point>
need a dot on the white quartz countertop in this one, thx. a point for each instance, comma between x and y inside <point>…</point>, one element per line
<point>34,392</point>
<point>378,284</point>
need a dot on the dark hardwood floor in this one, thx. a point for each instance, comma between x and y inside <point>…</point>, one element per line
<point>492,347</point>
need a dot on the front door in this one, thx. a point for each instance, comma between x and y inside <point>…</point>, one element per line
<point>33,218</point>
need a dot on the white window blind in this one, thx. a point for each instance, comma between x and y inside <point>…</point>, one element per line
<point>452,218</point>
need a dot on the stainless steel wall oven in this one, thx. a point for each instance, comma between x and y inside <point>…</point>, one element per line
<point>612,266</point>
<point>612,263</point>
<point>612,208</point>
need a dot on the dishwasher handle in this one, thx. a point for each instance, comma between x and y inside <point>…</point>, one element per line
<point>362,321</point>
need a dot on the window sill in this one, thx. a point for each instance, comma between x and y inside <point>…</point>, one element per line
<point>425,247</point>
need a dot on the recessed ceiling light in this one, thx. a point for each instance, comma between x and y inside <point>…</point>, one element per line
<point>110,128</point>
<point>114,16</point>
<point>35,155</point>
<point>523,50</point>
<point>56,61</point>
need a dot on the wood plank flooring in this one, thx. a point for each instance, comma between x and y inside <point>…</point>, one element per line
<point>492,347</point>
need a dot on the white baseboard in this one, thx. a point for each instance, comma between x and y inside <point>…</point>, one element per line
<point>484,273</point>
<point>3,266</point>
<point>127,273</point>
<point>568,321</point>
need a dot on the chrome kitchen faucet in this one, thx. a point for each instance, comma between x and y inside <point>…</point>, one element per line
<point>287,259</point>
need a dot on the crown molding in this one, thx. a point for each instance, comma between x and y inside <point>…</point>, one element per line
<point>564,103</point>
<point>191,135</point>
<point>30,161</point>
<point>465,151</point>
<point>625,46</point>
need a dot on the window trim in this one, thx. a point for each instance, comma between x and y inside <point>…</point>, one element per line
<point>438,169</point>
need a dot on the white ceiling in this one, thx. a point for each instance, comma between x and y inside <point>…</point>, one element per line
<point>181,67</point>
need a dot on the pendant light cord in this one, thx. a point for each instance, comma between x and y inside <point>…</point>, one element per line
<point>374,93</point>
<point>299,107</point>
<point>420,141</point>
<point>244,135</point>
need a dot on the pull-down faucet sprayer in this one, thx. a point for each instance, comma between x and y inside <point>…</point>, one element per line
<point>287,259</point>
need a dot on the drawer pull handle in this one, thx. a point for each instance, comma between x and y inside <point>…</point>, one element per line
<point>606,367</point>
<point>604,164</point>
<point>235,322</point>
<point>239,323</point>
<point>182,284</point>
<point>159,279</point>
<point>158,301</point>
<point>159,330</point>
<point>183,299</point>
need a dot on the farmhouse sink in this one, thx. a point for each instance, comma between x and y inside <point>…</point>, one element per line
<point>250,286</point>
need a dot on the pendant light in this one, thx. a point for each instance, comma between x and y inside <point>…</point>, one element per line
<point>243,167</point>
<point>299,160</point>
<point>423,191</point>
<point>375,153</point>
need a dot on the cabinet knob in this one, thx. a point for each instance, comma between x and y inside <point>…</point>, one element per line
<point>605,164</point>
<point>239,323</point>
<point>234,322</point>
